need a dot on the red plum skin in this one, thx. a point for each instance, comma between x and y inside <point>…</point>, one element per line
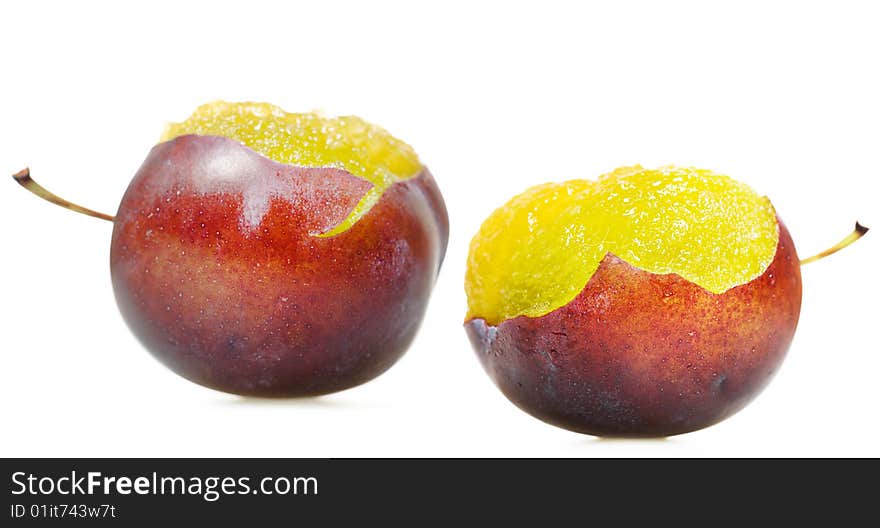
<point>218,270</point>
<point>637,354</point>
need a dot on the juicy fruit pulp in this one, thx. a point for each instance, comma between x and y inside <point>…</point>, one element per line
<point>310,140</point>
<point>537,252</point>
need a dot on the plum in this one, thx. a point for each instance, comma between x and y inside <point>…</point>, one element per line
<point>264,253</point>
<point>647,303</point>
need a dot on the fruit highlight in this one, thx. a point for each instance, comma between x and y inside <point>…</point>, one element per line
<point>309,140</point>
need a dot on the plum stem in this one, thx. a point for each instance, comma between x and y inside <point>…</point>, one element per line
<point>849,239</point>
<point>23,177</point>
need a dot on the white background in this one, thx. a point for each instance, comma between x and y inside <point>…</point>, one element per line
<point>495,97</point>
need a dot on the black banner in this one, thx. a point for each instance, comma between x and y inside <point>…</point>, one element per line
<point>132,492</point>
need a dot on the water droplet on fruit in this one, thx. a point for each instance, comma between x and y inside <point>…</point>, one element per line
<point>719,382</point>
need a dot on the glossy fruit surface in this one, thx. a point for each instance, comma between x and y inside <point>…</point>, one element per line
<point>232,268</point>
<point>638,350</point>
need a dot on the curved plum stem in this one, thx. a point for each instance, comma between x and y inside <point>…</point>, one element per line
<point>23,177</point>
<point>857,233</point>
